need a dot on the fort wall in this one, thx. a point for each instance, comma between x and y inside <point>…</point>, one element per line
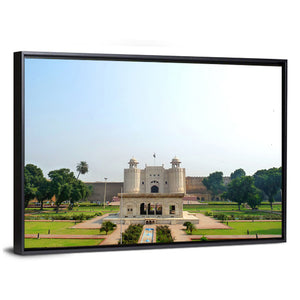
<point>193,186</point>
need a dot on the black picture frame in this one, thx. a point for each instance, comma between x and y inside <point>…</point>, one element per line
<point>19,143</point>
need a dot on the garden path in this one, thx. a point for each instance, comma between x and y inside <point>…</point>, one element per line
<point>94,223</point>
<point>114,237</point>
<point>209,223</point>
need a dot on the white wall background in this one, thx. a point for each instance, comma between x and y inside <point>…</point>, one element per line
<point>264,29</point>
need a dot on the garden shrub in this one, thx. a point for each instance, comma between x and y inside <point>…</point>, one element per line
<point>163,234</point>
<point>221,217</point>
<point>132,234</point>
<point>208,213</point>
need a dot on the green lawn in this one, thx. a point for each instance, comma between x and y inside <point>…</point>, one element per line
<point>240,228</point>
<point>57,228</point>
<point>230,209</point>
<point>88,211</point>
<point>46,243</point>
<point>94,208</point>
<point>227,207</point>
<point>48,215</point>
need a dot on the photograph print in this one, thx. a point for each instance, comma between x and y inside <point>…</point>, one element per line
<point>127,153</point>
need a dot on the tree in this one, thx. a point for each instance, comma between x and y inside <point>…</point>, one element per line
<point>191,228</point>
<point>79,191</point>
<point>29,189</point>
<point>76,194</point>
<point>254,197</point>
<point>61,185</point>
<point>82,168</point>
<point>237,173</point>
<point>187,224</point>
<point>269,181</point>
<point>88,189</point>
<point>234,192</point>
<point>214,183</point>
<point>44,191</point>
<point>107,226</point>
<point>242,190</point>
<point>33,176</point>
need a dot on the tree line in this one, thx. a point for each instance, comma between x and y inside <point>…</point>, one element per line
<point>62,184</point>
<point>264,184</point>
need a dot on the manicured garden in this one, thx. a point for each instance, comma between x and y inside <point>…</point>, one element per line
<point>96,208</point>
<point>57,243</point>
<point>58,228</point>
<point>229,206</point>
<point>79,212</point>
<point>132,234</point>
<point>229,211</point>
<point>163,234</point>
<point>242,228</point>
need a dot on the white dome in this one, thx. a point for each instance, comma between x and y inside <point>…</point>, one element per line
<point>133,160</point>
<point>175,160</point>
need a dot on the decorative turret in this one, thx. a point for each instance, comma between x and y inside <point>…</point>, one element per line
<point>132,177</point>
<point>175,162</point>
<point>133,163</point>
<point>176,177</point>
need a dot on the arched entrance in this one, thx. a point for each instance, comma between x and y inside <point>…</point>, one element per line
<point>154,189</point>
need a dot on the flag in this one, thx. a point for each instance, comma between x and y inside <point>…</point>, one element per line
<point>154,155</point>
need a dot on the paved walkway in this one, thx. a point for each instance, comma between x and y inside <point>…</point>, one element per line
<point>178,234</point>
<point>94,223</point>
<point>209,223</point>
<point>114,237</point>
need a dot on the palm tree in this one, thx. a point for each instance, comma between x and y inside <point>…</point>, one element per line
<point>82,168</point>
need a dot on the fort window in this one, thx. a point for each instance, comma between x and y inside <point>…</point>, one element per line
<point>151,209</point>
<point>142,209</point>
<point>172,210</point>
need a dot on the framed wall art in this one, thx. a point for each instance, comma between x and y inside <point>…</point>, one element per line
<point>116,152</point>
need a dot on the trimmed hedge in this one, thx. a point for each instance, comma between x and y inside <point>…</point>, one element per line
<point>77,217</point>
<point>225,217</point>
<point>163,234</point>
<point>132,234</point>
